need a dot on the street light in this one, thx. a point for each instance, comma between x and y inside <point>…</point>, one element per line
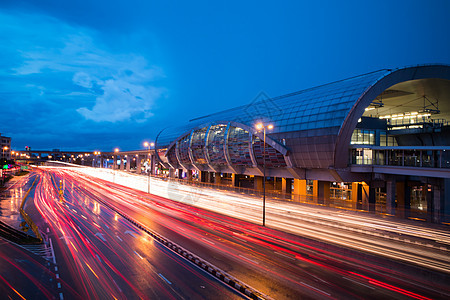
<point>96,153</point>
<point>114,163</point>
<point>148,146</point>
<point>259,127</point>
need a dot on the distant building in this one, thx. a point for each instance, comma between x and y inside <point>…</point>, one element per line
<point>375,142</point>
<point>6,147</point>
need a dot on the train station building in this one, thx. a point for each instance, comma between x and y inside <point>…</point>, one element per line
<point>375,142</point>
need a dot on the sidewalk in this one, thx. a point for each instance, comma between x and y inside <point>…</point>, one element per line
<point>10,201</point>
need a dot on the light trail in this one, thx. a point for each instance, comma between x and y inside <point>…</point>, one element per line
<point>99,263</point>
<point>339,228</point>
<point>255,237</point>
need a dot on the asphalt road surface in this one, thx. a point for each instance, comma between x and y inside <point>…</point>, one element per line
<point>98,254</point>
<point>280,265</point>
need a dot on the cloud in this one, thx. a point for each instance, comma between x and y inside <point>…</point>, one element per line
<point>72,64</point>
<point>121,100</point>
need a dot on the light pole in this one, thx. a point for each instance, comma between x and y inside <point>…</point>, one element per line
<point>149,145</point>
<point>115,163</point>
<point>260,126</point>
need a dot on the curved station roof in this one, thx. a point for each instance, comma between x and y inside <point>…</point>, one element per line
<point>312,129</point>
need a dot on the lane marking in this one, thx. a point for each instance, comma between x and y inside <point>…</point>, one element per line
<point>208,241</point>
<point>367,286</point>
<point>285,255</point>
<point>53,252</point>
<point>246,258</point>
<point>59,285</point>
<point>83,217</point>
<point>61,297</point>
<point>119,238</point>
<point>314,288</point>
<point>130,233</point>
<point>99,259</point>
<point>138,255</point>
<point>100,235</point>
<point>164,278</point>
<point>117,285</point>
<point>240,239</point>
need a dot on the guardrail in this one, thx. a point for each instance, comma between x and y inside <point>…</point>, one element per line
<point>26,217</point>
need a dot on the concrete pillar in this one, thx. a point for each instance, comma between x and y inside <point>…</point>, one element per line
<point>445,203</point>
<point>217,178</point>
<point>171,173</point>
<point>180,173</point>
<point>372,199</point>
<point>122,163</point>
<point>114,162</point>
<point>189,175</point>
<point>390,196</point>
<point>138,164</point>
<point>365,196</point>
<point>152,164</point>
<point>299,187</point>
<point>407,200</point>
<point>129,159</point>
<point>436,198</point>
<point>235,180</point>
<point>211,177</point>
<point>400,187</point>
<point>323,191</point>
<point>286,185</point>
<point>203,176</point>
<point>258,182</point>
<point>355,199</point>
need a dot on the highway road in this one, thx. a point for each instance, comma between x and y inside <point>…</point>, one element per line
<point>279,264</point>
<point>97,254</point>
<point>426,246</point>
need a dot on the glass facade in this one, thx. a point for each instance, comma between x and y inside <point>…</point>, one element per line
<point>274,159</point>
<point>428,158</point>
<point>311,128</point>
<point>363,137</point>
<point>198,146</point>
<point>215,145</point>
<point>239,147</point>
<point>172,158</point>
<point>183,150</point>
<point>315,115</point>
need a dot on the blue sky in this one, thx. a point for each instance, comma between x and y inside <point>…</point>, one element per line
<point>94,75</point>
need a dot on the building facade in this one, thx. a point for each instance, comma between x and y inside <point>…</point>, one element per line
<point>6,147</point>
<point>377,142</point>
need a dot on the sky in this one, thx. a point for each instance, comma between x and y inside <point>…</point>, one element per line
<point>98,74</point>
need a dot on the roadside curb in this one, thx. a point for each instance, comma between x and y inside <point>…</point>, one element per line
<point>26,217</point>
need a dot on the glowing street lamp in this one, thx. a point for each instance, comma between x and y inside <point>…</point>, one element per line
<point>4,149</point>
<point>263,127</point>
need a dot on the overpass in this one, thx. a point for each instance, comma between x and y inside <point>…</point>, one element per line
<point>133,160</point>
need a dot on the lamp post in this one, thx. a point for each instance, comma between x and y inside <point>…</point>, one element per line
<point>263,127</point>
<point>115,160</point>
<point>149,145</point>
